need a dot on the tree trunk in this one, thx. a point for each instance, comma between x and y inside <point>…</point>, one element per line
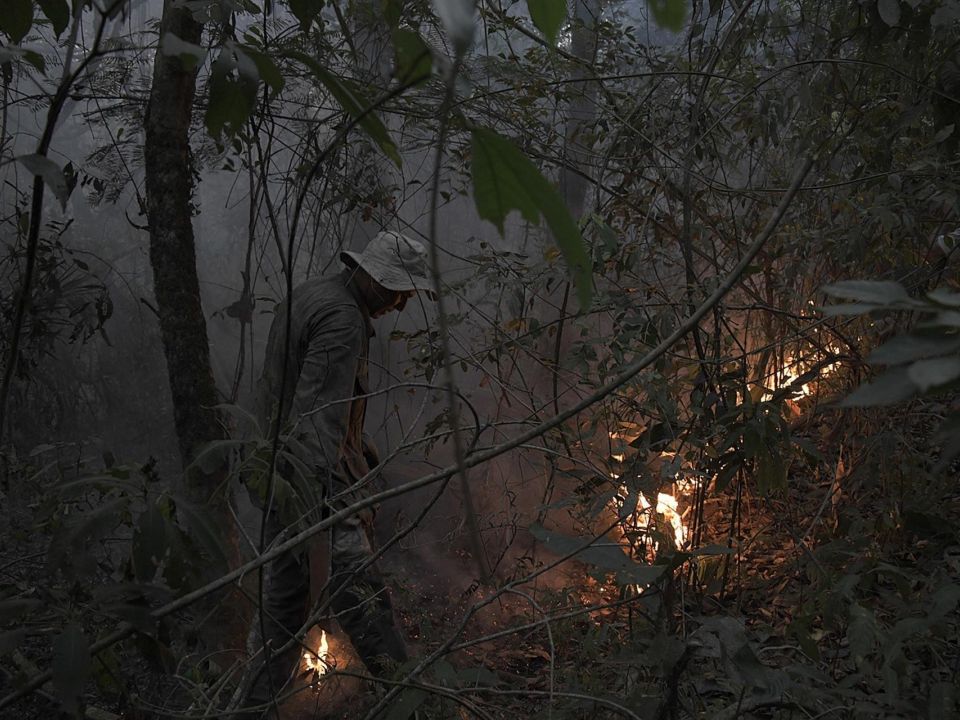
<point>168,180</point>
<point>183,327</point>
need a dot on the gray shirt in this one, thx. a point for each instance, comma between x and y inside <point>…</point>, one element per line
<point>323,407</point>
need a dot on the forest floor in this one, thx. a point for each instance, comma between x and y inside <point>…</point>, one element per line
<point>839,602</point>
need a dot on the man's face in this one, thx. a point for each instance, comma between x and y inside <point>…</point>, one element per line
<point>391,300</point>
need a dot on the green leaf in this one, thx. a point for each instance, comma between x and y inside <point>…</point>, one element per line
<point>392,12</point>
<point>861,633</point>
<point>669,14</point>
<point>548,16</point>
<point>504,179</point>
<point>907,348</point>
<point>891,387</point>
<point>606,556</point>
<point>266,68</point>
<point>190,55</point>
<point>942,296</point>
<point>233,92</point>
<point>414,59</point>
<point>51,173</point>
<point>16,19</point>
<point>57,12</point>
<point>306,11</point>
<point>877,292</point>
<point>354,103</point>
<point>8,54</point>
<point>943,134</point>
<point>889,11</point>
<point>934,372</point>
<point>771,471</point>
<point>71,666</point>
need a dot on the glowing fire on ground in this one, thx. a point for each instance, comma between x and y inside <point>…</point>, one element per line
<point>318,662</point>
<point>794,369</point>
<point>638,522</point>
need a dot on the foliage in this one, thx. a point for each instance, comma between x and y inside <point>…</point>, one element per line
<point>925,361</point>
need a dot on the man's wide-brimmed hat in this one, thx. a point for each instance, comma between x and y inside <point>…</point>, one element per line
<point>393,260</point>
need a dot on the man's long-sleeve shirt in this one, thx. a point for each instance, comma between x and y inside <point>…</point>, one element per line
<point>323,407</point>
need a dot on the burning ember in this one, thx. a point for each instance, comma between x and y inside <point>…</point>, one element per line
<point>318,661</point>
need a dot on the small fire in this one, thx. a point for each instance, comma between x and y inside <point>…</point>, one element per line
<point>667,505</point>
<point>317,662</point>
<point>794,368</point>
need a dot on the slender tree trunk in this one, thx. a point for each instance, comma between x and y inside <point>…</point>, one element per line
<point>169,182</point>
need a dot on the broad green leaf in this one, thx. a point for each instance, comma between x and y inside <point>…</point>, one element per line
<point>71,666</point>
<point>771,471</point>
<point>927,374</point>
<point>908,348</point>
<point>669,14</point>
<point>51,173</point>
<point>266,68</point>
<point>392,12</point>
<point>16,19</point>
<point>891,387</point>
<point>306,11</point>
<point>548,16</point>
<point>354,103</point>
<point>190,55</point>
<point>861,633</point>
<point>942,296</point>
<point>889,11</point>
<point>57,12</point>
<point>848,309</point>
<point>879,292</point>
<point>35,59</point>
<point>233,95</point>
<point>943,134</point>
<point>605,555</point>
<point>504,179</point>
<point>414,59</point>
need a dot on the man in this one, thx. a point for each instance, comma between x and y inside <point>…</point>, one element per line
<point>317,377</point>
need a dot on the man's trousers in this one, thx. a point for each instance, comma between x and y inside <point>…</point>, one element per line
<point>357,596</point>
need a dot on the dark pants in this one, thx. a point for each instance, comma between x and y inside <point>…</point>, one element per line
<point>358,598</point>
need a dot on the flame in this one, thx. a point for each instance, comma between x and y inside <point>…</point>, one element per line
<point>318,661</point>
<point>794,368</point>
<point>636,521</point>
